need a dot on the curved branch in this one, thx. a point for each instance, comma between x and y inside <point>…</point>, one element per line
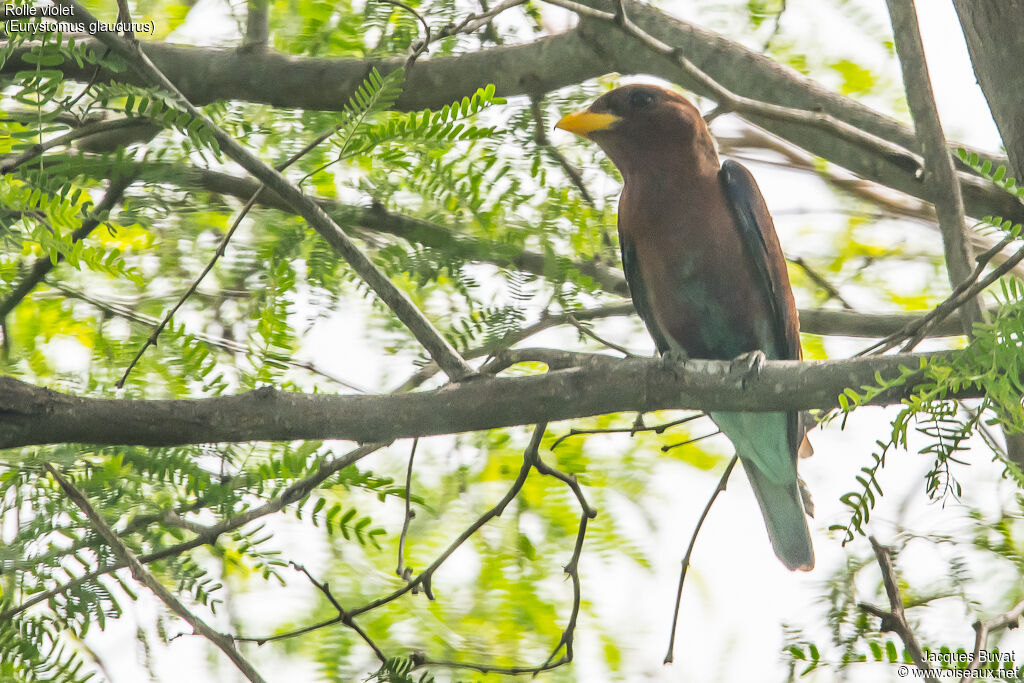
<point>94,128</point>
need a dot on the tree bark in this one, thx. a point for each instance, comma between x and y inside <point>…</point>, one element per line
<point>577,385</point>
<point>993,29</point>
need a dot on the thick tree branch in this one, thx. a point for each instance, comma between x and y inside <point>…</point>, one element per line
<point>257,32</point>
<point>940,177</point>
<point>577,385</point>
<point>992,30</point>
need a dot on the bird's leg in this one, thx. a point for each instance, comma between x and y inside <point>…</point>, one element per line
<point>745,366</point>
<point>673,358</point>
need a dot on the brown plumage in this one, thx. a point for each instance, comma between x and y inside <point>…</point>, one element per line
<point>706,273</point>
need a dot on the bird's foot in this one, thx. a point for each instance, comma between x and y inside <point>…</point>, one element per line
<point>745,366</point>
<point>672,359</point>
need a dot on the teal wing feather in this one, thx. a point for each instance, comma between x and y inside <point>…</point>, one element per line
<point>764,254</point>
<point>767,443</point>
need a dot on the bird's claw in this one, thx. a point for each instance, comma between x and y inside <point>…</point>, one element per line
<point>746,365</point>
<point>672,359</point>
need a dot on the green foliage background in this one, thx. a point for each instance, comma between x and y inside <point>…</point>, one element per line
<point>480,170</point>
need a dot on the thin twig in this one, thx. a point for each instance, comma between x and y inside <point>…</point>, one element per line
<point>687,442</point>
<point>568,480</point>
<point>571,569</point>
<point>631,430</point>
<point>474,21</point>
<point>220,251</point>
<point>423,579</point>
<point>895,619</point>
<point>92,81</point>
<point>965,291</point>
<point>417,47</point>
<point>722,482</point>
<point>540,136</point>
<point>343,617</point>
<point>401,569</point>
<point>822,282</point>
<point>775,28</point>
<point>142,575</point>
<point>593,335</point>
<point>122,311</point>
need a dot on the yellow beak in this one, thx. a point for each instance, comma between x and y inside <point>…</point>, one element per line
<point>585,122</point>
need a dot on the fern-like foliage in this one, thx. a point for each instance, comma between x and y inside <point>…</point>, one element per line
<point>984,168</point>
<point>400,670</point>
<point>375,94</point>
<point>992,363</point>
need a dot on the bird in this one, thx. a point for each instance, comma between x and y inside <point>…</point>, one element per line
<point>707,276</point>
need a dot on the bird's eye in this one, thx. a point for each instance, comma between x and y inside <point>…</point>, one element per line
<point>641,99</point>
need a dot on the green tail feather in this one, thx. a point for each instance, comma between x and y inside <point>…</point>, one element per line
<point>784,516</point>
<point>762,442</point>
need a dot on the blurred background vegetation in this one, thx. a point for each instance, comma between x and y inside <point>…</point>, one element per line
<point>493,225</point>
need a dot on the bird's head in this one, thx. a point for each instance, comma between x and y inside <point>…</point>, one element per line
<point>646,128</point>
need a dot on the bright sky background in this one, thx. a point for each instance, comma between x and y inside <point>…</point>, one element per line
<point>736,592</point>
